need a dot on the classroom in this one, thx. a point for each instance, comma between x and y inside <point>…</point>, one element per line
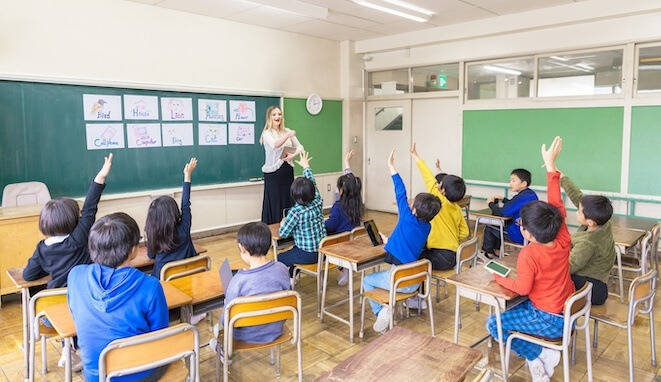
<point>330,190</point>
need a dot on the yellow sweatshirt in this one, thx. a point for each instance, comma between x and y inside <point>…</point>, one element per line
<point>448,227</point>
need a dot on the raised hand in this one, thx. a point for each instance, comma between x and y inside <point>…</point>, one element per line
<point>304,159</point>
<point>414,153</point>
<point>347,159</point>
<point>438,165</point>
<point>551,154</point>
<point>189,168</point>
<point>391,162</point>
<point>105,170</point>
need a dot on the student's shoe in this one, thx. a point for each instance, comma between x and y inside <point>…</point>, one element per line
<point>196,318</point>
<point>550,358</point>
<point>76,361</point>
<point>343,278</point>
<point>537,371</point>
<point>382,322</point>
<point>416,302</point>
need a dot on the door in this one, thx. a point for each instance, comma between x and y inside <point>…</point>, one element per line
<point>388,126</point>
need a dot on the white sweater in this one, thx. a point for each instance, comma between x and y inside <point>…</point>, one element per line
<point>274,155</point>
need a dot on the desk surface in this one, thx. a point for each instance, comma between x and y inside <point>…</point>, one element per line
<point>355,251</point>
<point>486,213</point>
<point>481,280</point>
<point>201,287</point>
<point>634,223</point>
<point>626,237</point>
<point>405,355</point>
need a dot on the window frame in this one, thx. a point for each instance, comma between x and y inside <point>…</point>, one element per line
<point>636,69</point>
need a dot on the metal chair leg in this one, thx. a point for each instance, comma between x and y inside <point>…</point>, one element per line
<point>573,348</point>
<point>44,361</point>
<point>594,339</point>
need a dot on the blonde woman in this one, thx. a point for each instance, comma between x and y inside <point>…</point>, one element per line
<point>280,149</point>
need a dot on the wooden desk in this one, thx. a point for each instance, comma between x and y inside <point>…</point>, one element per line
<point>478,284</point>
<point>277,242</point>
<point>486,217</point>
<point>142,260</point>
<point>205,290</point>
<point>405,355</point>
<point>356,255</point>
<point>626,237</point>
<point>634,223</point>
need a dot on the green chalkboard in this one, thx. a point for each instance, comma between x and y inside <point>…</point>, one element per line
<point>43,138</point>
<point>497,141</point>
<point>645,151</point>
<point>320,134</point>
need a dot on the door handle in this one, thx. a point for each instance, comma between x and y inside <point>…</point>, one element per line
<point>369,161</point>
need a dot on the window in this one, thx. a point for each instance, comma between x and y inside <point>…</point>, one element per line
<point>649,69</point>
<point>435,78</point>
<point>576,74</point>
<point>388,82</point>
<point>500,79</point>
<point>388,118</point>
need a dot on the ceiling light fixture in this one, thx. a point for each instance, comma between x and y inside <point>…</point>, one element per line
<point>502,70</point>
<point>585,66</point>
<point>390,10</point>
<point>563,59</point>
<point>410,6</point>
<point>294,6</point>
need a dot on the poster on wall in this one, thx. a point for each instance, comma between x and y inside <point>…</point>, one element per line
<point>241,134</point>
<point>140,107</point>
<point>100,107</point>
<point>177,109</point>
<point>212,134</point>
<point>103,136</point>
<point>177,134</point>
<point>211,110</point>
<point>141,135</point>
<point>242,111</point>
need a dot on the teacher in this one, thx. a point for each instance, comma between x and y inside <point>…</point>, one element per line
<point>280,147</point>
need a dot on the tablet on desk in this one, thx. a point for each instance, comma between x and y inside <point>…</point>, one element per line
<point>373,233</point>
<point>497,268</point>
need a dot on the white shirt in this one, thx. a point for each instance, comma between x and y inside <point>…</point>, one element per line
<point>273,159</point>
<point>55,239</point>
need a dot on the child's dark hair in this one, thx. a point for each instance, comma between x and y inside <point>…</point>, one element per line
<point>597,208</point>
<point>454,187</point>
<point>255,238</point>
<point>161,225</point>
<point>351,199</point>
<point>426,206</point>
<point>112,239</point>
<point>523,174</point>
<point>59,217</point>
<point>542,220</point>
<point>302,191</point>
<point>440,176</point>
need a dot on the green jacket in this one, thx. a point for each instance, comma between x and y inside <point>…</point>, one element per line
<point>593,253</point>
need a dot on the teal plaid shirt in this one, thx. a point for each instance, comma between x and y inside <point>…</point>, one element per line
<point>306,223</point>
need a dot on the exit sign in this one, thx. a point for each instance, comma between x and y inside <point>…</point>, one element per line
<point>442,81</point>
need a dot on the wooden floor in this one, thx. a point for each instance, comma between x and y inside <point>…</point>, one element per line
<point>326,344</point>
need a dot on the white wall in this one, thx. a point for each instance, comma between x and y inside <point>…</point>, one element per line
<point>118,40</point>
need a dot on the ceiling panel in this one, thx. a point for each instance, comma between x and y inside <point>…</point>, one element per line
<point>268,17</point>
<point>399,27</point>
<point>212,8</point>
<point>349,20</point>
<point>503,7</point>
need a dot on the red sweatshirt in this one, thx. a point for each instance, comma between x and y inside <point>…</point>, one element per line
<point>543,272</point>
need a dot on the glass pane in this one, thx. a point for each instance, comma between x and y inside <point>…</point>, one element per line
<point>502,79</point>
<point>388,82</point>
<point>435,78</point>
<point>580,74</point>
<point>649,69</point>
<point>388,118</point>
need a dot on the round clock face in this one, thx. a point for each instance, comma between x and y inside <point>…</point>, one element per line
<point>314,104</point>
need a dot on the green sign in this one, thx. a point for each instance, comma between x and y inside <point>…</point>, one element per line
<point>442,81</point>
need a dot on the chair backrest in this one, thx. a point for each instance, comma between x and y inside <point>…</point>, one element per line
<point>646,251</point>
<point>25,194</point>
<point>185,267</point>
<point>655,239</point>
<point>577,304</point>
<point>465,204</point>
<point>43,300</point>
<point>410,274</point>
<point>466,252</point>
<point>335,239</point>
<point>150,350</point>
<point>358,232</point>
<point>642,291</point>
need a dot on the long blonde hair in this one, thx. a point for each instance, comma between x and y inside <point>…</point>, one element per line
<point>267,124</point>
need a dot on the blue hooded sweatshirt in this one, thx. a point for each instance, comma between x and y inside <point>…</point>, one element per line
<point>111,303</point>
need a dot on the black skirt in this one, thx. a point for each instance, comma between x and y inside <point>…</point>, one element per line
<point>276,193</point>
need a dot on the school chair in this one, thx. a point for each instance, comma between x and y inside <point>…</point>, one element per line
<point>466,254</point>
<point>260,310</point>
<point>485,375</point>
<point>151,350</point>
<point>357,232</point>
<point>25,194</point>
<point>180,268</point>
<point>640,263</point>
<point>576,306</point>
<point>641,293</point>
<point>654,250</point>
<point>401,276</point>
<point>317,270</point>
<point>465,204</point>
<point>37,329</point>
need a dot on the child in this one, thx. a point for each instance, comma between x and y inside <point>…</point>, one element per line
<point>448,227</point>
<point>542,274</point>
<point>263,276</point>
<point>347,212</point>
<point>304,221</point>
<point>167,229</point>
<point>593,250</point>
<point>65,245</point>
<point>111,299</point>
<point>519,182</point>
<point>440,174</point>
<point>405,242</point>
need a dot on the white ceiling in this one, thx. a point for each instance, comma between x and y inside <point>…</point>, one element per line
<point>347,20</point>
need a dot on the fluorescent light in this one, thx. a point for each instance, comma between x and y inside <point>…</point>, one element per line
<point>585,66</point>
<point>649,67</point>
<point>410,6</point>
<point>502,70</point>
<point>293,6</point>
<point>563,59</point>
<point>390,10</point>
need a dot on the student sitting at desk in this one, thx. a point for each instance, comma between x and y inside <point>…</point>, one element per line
<point>347,212</point>
<point>519,182</point>
<point>111,299</point>
<point>542,274</point>
<point>405,243</point>
<point>66,230</point>
<point>593,250</point>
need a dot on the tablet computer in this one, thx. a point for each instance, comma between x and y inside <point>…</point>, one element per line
<point>497,268</point>
<point>373,232</point>
<point>225,274</point>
